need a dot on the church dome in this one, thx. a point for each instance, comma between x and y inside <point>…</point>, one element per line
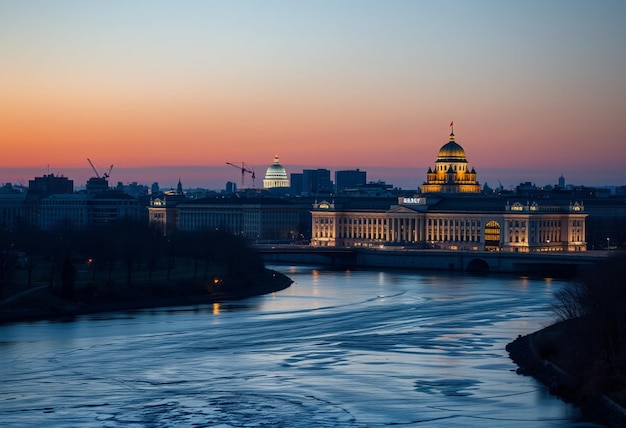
<point>452,152</point>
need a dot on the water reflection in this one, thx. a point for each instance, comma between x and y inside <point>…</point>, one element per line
<point>353,349</point>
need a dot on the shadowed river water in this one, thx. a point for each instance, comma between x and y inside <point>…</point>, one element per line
<point>336,349</point>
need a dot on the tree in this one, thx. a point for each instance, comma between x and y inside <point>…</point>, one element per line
<point>597,301</point>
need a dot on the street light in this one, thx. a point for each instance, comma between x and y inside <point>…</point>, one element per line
<point>608,244</point>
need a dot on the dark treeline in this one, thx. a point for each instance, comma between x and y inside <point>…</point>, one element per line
<point>591,345</point>
<point>123,254</point>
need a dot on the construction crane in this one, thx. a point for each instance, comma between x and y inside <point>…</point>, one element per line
<point>105,175</point>
<point>244,169</point>
<point>93,167</point>
<point>108,172</point>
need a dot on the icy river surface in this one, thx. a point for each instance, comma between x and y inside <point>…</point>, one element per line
<point>336,349</point>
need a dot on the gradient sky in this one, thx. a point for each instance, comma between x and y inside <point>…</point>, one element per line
<point>168,89</point>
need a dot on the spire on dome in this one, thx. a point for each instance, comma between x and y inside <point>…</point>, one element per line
<point>275,159</point>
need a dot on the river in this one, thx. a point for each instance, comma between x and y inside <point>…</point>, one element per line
<point>337,349</point>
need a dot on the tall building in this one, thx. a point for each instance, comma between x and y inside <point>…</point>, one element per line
<point>296,183</point>
<point>231,187</point>
<point>275,176</point>
<point>349,179</point>
<point>451,174</point>
<point>316,181</point>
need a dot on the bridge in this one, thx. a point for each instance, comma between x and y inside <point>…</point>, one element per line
<point>304,254</point>
<point>545,263</point>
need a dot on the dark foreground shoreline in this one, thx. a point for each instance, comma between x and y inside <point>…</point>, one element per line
<point>599,408</point>
<point>277,282</point>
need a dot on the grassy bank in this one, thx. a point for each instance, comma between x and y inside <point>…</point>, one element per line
<point>173,287</point>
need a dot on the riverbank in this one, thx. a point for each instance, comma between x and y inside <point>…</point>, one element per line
<point>42,304</point>
<point>548,355</point>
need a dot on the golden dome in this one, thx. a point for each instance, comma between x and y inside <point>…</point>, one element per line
<point>451,152</point>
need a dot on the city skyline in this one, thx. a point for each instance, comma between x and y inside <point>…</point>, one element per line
<point>216,177</point>
<point>165,91</point>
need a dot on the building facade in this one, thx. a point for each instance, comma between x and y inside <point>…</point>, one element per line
<point>493,225</point>
<point>255,218</point>
<point>451,214</point>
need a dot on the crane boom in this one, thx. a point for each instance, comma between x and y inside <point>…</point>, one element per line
<point>93,167</point>
<point>244,169</point>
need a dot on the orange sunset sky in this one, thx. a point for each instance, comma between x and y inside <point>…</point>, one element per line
<point>166,90</point>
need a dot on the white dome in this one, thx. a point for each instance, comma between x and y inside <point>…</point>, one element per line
<point>276,175</point>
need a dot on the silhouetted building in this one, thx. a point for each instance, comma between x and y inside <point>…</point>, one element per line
<point>231,187</point>
<point>316,181</point>
<point>254,217</point>
<point>50,184</point>
<point>13,209</point>
<point>349,179</point>
<point>296,183</point>
<point>97,185</point>
<point>132,189</point>
<point>81,210</point>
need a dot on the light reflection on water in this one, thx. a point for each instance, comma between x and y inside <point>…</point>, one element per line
<point>357,348</point>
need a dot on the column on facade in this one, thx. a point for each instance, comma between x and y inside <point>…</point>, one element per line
<point>407,229</point>
<point>397,230</point>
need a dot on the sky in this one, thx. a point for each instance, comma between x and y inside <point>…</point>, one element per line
<point>165,90</point>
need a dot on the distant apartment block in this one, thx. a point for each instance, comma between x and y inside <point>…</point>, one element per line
<point>50,184</point>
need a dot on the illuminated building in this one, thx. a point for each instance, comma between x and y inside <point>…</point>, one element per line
<point>275,176</point>
<point>451,174</point>
<point>454,223</point>
<point>450,214</point>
